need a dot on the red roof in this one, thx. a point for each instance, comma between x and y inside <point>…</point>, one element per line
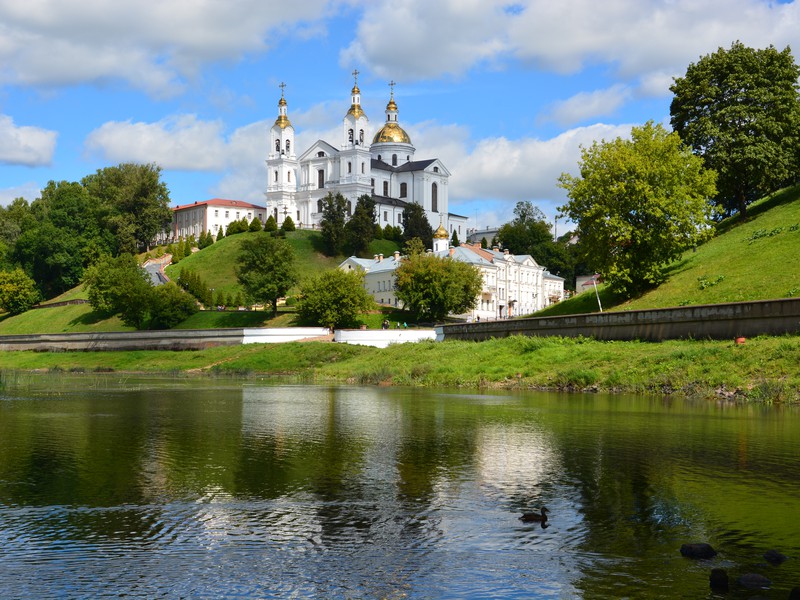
<point>220,202</point>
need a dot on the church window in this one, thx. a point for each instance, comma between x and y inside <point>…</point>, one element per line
<point>319,206</point>
<point>379,156</point>
<point>372,183</point>
<point>363,168</point>
<point>321,179</point>
<point>435,169</point>
<point>276,176</point>
<point>298,216</point>
<point>349,167</point>
<point>394,160</point>
<point>435,198</point>
<point>277,145</point>
<point>403,190</point>
<point>408,158</point>
<point>289,176</point>
<point>288,146</point>
<point>385,215</point>
<point>349,208</point>
<point>385,188</point>
<point>350,135</point>
<point>361,135</point>
<point>320,154</point>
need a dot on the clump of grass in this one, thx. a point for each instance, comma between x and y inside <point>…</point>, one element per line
<point>769,391</point>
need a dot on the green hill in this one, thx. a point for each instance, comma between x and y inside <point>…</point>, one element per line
<point>215,264</point>
<point>751,259</point>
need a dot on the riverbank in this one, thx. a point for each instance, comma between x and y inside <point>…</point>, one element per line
<point>761,369</point>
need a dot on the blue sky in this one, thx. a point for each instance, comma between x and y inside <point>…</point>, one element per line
<point>503,92</point>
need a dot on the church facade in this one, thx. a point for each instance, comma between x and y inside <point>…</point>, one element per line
<point>381,164</point>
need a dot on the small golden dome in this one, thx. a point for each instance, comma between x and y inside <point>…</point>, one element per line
<point>355,90</point>
<point>391,133</point>
<point>282,101</point>
<point>391,105</point>
<point>283,122</point>
<point>440,233</point>
<point>356,111</point>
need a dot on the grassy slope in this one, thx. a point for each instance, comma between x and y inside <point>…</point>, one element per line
<point>743,262</point>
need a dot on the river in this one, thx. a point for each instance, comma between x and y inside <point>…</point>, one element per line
<point>117,486</point>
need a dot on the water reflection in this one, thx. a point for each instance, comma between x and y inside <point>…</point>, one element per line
<point>176,489</point>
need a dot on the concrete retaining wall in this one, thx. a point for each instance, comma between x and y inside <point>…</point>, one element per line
<point>714,321</point>
<point>380,338</point>
<point>183,339</point>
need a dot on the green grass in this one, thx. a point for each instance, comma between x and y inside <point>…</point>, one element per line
<point>763,369</point>
<point>215,264</point>
<point>751,259</point>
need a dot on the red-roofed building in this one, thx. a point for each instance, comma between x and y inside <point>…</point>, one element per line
<point>210,215</point>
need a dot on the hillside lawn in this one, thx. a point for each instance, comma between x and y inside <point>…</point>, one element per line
<point>751,259</point>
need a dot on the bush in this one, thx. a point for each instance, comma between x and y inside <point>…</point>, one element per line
<point>334,299</point>
<point>170,306</point>
<point>288,224</point>
<point>18,292</point>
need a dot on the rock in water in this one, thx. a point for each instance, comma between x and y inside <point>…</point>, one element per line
<point>719,580</point>
<point>698,550</point>
<point>774,557</point>
<point>754,581</point>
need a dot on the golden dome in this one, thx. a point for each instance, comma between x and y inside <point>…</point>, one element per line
<point>440,233</point>
<point>391,105</point>
<point>356,111</point>
<point>391,132</point>
<point>283,122</point>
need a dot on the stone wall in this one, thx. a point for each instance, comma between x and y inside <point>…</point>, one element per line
<point>714,321</point>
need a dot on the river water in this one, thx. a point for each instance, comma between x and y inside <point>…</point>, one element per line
<point>160,488</point>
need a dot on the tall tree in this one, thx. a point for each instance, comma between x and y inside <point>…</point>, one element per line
<point>334,299</point>
<point>739,109</point>
<point>433,287</point>
<point>18,292</point>
<point>360,229</point>
<point>416,224</point>
<point>119,286</point>
<point>638,204</point>
<point>334,215</point>
<point>266,269</point>
<point>137,202</point>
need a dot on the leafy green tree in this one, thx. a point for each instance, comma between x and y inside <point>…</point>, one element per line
<point>433,287</point>
<point>271,224</point>
<point>360,229</point>
<point>639,204</point>
<point>334,215</point>
<point>413,247</point>
<point>135,201</point>
<point>53,258</point>
<point>170,306</point>
<point>18,292</point>
<point>288,224</point>
<point>335,299</point>
<point>378,233</point>
<point>416,224</point>
<point>266,269</point>
<point>739,109</point>
<point>119,286</point>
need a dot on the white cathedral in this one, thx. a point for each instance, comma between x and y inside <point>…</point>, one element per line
<point>385,169</point>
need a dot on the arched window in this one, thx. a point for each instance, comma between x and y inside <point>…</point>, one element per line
<point>435,198</point>
<point>320,154</point>
<point>361,135</point>
<point>394,160</point>
<point>349,208</point>
<point>403,190</point>
<point>385,188</point>
<point>349,167</point>
<point>321,179</point>
<point>276,177</point>
<point>288,146</point>
<point>277,145</point>
<point>350,135</point>
<point>289,176</point>
<point>363,168</point>
<point>435,169</point>
<point>319,206</point>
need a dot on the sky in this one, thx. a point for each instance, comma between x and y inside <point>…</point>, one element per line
<point>505,92</point>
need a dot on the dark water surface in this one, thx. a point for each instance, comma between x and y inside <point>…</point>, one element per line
<point>146,488</point>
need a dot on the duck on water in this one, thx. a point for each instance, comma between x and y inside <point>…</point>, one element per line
<point>534,517</point>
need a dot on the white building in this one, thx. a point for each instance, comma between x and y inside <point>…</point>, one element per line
<point>384,167</point>
<point>210,215</point>
<point>513,285</point>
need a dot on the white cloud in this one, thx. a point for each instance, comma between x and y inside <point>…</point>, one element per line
<point>650,39</point>
<point>179,143</point>
<point>24,145</point>
<point>30,191</point>
<point>581,106</point>
<point>153,46</point>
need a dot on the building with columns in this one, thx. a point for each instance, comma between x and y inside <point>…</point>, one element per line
<point>382,164</point>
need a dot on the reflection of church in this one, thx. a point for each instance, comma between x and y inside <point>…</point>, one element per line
<point>384,168</point>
